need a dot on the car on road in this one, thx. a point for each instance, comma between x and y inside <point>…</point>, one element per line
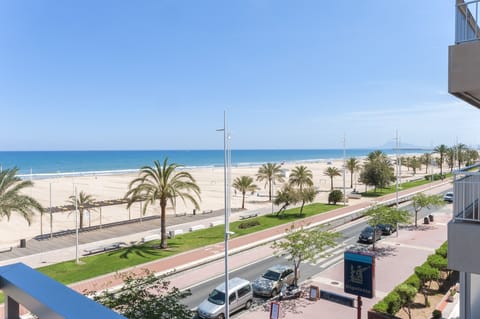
<point>387,229</point>
<point>271,282</point>
<point>370,234</point>
<point>240,296</point>
<point>448,197</point>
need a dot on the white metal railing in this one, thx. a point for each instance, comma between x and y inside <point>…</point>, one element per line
<point>466,21</point>
<point>466,198</point>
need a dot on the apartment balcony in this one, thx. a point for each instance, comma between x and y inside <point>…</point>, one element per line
<point>464,228</point>
<point>464,56</point>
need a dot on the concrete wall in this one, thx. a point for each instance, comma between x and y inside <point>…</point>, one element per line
<point>464,71</point>
<point>463,241</point>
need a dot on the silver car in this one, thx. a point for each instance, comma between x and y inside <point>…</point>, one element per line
<point>271,282</point>
<point>241,296</point>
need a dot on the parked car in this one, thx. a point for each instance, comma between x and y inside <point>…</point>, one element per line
<point>448,197</point>
<point>369,234</point>
<point>271,282</point>
<point>387,229</point>
<point>241,296</point>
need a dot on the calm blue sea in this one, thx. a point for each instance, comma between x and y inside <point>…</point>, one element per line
<point>78,162</point>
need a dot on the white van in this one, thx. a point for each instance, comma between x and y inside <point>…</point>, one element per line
<point>241,296</point>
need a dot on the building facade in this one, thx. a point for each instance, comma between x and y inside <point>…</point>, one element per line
<point>464,228</point>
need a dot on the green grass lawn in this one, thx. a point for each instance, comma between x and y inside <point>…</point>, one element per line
<point>96,265</point>
<point>391,189</point>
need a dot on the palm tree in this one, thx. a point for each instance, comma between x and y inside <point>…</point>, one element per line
<point>301,176</point>
<point>426,159</point>
<point>270,173</point>
<point>442,151</point>
<point>353,165</point>
<point>244,184</point>
<point>450,158</point>
<point>163,184</point>
<point>11,199</point>
<point>83,201</point>
<point>332,172</point>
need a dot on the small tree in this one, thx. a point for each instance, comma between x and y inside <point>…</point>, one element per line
<point>420,201</point>
<point>407,294</point>
<point>303,245</point>
<point>306,195</point>
<point>426,274</point>
<point>145,296</point>
<point>244,184</point>
<point>439,262</point>
<point>82,201</point>
<point>386,215</point>
<point>332,172</point>
<point>285,197</point>
<point>335,196</point>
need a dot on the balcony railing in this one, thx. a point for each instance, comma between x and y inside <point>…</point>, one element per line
<point>466,21</point>
<point>466,190</point>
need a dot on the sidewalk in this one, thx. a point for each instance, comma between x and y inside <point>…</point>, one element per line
<point>198,257</point>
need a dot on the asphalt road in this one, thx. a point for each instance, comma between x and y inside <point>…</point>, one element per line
<point>349,232</point>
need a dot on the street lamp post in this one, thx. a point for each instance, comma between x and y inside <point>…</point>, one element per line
<point>76,223</point>
<point>344,171</point>
<point>226,178</point>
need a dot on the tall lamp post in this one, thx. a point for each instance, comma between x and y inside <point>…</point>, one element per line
<point>226,178</point>
<point>344,172</point>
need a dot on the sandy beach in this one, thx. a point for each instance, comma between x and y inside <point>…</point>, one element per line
<point>108,187</point>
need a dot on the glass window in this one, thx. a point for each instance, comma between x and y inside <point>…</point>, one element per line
<point>232,298</point>
<point>244,290</point>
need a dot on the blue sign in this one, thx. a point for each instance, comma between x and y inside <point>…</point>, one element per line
<point>331,296</point>
<point>359,275</point>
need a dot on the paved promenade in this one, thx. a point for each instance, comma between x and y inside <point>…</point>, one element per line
<point>207,262</point>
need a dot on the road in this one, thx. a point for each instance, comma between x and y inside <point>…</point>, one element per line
<point>348,239</point>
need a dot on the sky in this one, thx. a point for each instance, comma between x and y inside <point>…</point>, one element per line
<point>159,74</point>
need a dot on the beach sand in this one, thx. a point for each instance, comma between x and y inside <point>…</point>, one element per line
<point>108,187</point>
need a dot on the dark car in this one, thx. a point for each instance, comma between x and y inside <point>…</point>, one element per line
<point>387,229</point>
<point>369,234</point>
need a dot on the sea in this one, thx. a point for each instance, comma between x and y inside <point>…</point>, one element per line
<point>45,164</point>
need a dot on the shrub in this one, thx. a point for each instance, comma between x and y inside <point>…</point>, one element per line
<point>394,303</point>
<point>443,250</point>
<point>436,314</point>
<point>413,281</point>
<point>249,224</point>
<point>437,261</point>
<point>436,177</point>
<point>381,306</point>
<point>335,196</point>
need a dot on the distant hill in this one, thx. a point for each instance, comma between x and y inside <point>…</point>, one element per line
<point>392,145</point>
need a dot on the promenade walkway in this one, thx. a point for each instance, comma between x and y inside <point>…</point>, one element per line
<point>196,258</point>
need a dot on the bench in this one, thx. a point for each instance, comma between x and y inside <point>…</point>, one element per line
<point>197,227</point>
<point>180,214</point>
<point>101,249</point>
<point>5,249</point>
<point>207,211</point>
<point>150,238</point>
<point>354,196</point>
<point>246,216</point>
<point>216,223</point>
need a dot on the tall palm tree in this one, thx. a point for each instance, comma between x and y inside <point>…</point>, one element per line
<point>376,155</point>
<point>450,158</point>
<point>163,183</point>
<point>270,173</point>
<point>426,159</point>
<point>460,149</point>
<point>11,199</point>
<point>353,165</point>
<point>442,151</point>
<point>301,176</point>
<point>332,172</point>
<point>83,201</point>
<point>244,184</point>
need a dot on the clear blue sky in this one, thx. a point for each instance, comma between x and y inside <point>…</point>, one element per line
<point>292,74</point>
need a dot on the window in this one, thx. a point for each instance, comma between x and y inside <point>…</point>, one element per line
<point>232,298</point>
<point>244,290</point>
